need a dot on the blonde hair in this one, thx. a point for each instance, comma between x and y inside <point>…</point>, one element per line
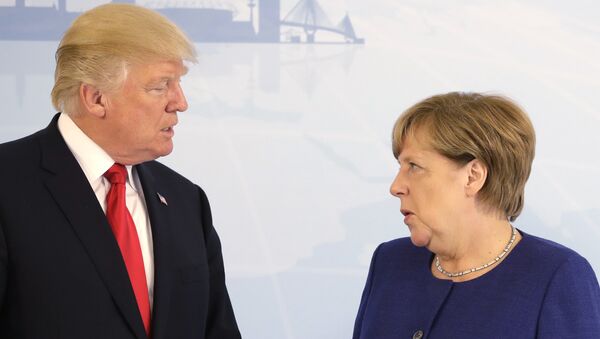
<point>490,128</point>
<point>102,42</point>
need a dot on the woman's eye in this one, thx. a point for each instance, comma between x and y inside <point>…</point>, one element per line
<point>410,166</point>
<point>413,167</point>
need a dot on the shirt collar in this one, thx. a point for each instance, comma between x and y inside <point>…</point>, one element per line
<point>92,159</point>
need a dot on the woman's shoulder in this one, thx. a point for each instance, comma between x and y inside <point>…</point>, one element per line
<point>571,294</point>
<point>538,257</point>
<point>552,253</point>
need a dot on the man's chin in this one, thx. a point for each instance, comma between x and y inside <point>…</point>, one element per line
<point>164,151</point>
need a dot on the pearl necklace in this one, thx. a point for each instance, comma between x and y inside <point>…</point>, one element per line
<point>493,262</point>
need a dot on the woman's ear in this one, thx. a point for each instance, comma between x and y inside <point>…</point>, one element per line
<point>477,174</point>
<point>92,100</point>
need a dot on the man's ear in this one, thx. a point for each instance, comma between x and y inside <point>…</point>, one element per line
<point>477,174</point>
<point>92,100</point>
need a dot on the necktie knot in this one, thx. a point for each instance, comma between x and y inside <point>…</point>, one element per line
<point>116,174</point>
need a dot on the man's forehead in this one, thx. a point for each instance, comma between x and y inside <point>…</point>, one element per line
<point>169,69</point>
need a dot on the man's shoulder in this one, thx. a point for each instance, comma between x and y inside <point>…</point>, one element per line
<point>9,147</point>
<point>20,152</point>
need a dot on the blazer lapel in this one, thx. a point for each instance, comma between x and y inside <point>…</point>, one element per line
<point>158,211</point>
<point>73,194</point>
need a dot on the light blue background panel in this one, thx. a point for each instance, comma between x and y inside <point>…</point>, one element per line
<point>292,141</point>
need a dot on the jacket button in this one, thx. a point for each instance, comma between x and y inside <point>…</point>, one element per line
<point>418,334</point>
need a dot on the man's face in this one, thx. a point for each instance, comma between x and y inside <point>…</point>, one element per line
<point>141,115</point>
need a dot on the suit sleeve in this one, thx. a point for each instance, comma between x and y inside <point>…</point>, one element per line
<point>365,297</point>
<point>221,322</point>
<point>571,307</point>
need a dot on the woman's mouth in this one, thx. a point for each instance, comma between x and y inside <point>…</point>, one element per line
<point>407,215</point>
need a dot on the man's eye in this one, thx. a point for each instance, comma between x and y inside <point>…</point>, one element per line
<point>160,87</point>
<point>157,90</point>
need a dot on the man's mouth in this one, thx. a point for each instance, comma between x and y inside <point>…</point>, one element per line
<point>169,131</point>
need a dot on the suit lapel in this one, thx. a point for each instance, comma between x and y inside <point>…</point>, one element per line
<point>158,211</point>
<point>71,191</point>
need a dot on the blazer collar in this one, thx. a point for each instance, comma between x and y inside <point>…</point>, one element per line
<point>160,219</point>
<point>70,189</point>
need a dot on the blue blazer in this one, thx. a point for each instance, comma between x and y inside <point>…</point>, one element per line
<point>541,290</point>
<point>61,270</point>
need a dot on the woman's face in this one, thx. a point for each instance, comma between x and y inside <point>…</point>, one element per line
<point>432,193</point>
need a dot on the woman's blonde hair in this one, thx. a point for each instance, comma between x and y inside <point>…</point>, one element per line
<point>490,128</point>
<point>102,42</point>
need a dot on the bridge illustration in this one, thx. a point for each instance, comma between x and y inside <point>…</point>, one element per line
<point>202,20</point>
<point>308,15</point>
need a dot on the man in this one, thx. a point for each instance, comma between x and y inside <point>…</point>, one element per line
<point>98,240</point>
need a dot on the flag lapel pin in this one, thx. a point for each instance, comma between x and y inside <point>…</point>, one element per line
<point>162,199</point>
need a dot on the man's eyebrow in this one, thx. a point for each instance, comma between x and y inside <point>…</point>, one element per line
<point>163,78</point>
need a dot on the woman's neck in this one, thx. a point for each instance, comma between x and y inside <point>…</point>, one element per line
<point>477,243</point>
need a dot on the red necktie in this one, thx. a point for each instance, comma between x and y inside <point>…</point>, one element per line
<point>126,234</point>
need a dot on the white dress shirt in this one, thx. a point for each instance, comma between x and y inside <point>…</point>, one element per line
<point>94,162</point>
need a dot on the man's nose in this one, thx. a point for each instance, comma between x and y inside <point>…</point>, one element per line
<point>177,102</point>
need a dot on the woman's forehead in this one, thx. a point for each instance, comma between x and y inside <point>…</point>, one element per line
<point>416,136</point>
<point>415,144</point>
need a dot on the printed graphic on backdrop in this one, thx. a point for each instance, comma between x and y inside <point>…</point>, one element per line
<point>203,21</point>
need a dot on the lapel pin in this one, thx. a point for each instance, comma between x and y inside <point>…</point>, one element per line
<point>162,199</point>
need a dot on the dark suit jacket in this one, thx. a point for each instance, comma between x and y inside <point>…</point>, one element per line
<point>61,271</point>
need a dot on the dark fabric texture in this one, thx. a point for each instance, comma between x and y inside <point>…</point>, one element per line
<point>541,290</point>
<point>61,271</point>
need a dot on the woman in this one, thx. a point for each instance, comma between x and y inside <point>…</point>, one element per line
<point>464,160</point>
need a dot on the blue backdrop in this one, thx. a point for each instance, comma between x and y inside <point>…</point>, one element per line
<point>291,141</point>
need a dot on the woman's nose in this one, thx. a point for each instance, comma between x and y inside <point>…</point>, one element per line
<point>398,187</point>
